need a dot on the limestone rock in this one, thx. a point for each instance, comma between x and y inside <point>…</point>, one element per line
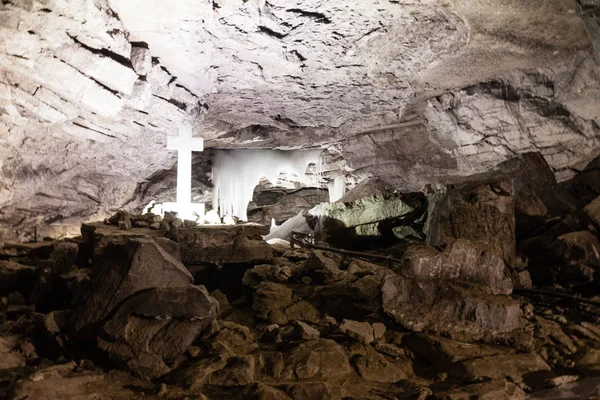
<point>151,329</point>
<point>374,366</point>
<point>126,267</point>
<point>514,366</point>
<point>232,338</point>
<point>222,370</point>
<point>223,244</point>
<point>479,212</point>
<point>360,331</point>
<point>462,260</point>
<point>369,211</point>
<point>9,356</point>
<point>62,382</point>
<point>593,210</point>
<point>321,359</point>
<point>577,258</point>
<point>15,276</point>
<point>499,389</point>
<point>444,353</point>
<point>141,59</point>
<point>446,308</point>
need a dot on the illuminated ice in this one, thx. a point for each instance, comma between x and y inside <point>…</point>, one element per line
<point>185,144</point>
<point>237,172</point>
<point>337,188</point>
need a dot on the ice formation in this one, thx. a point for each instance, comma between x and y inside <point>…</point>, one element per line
<point>237,172</point>
<point>337,188</point>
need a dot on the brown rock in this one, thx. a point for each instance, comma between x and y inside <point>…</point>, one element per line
<point>223,244</point>
<point>374,366</point>
<point>320,359</point>
<point>61,382</point>
<point>445,308</point>
<point>500,366</point>
<point>499,389</point>
<point>482,212</point>
<point>359,331</point>
<point>593,210</point>
<point>462,260</point>
<point>125,268</point>
<point>153,328</point>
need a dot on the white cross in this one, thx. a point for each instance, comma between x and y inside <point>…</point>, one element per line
<point>184,144</point>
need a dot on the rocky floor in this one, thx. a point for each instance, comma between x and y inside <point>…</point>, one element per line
<point>144,308</point>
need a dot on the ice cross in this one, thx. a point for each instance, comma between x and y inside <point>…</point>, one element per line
<point>185,144</point>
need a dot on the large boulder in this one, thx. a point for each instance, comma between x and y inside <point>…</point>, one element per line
<point>482,212</point>
<point>222,244</point>
<point>464,312</point>
<point>463,260</point>
<point>125,267</point>
<point>150,331</point>
<point>369,212</point>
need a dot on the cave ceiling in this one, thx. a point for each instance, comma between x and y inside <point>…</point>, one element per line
<point>409,91</point>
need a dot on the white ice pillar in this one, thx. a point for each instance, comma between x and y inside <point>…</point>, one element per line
<point>185,144</point>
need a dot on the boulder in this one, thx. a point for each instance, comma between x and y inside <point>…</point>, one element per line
<point>444,307</point>
<point>222,370</point>
<point>9,356</point>
<point>578,257</point>
<point>481,212</point>
<point>321,360</point>
<point>151,329</point>
<point>593,210</point>
<point>444,353</point>
<point>125,267</point>
<point>462,260</point>
<point>499,389</point>
<point>359,331</point>
<point>222,244</point>
<point>63,381</point>
<point>231,338</point>
<point>513,366</point>
<point>367,213</point>
<point>16,277</point>
<point>374,366</point>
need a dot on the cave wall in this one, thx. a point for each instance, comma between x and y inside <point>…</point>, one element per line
<point>410,92</point>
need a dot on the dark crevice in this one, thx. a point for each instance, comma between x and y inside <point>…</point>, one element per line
<point>317,16</point>
<point>137,123</point>
<point>104,53</point>
<point>45,10</point>
<point>102,85</point>
<point>89,196</point>
<point>179,104</point>
<point>186,89</point>
<point>271,32</point>
<point>142,45</point>
<point>298,55</point>
<point>93,130</point>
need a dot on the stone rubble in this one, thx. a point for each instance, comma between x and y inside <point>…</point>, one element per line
<point>206,312</point>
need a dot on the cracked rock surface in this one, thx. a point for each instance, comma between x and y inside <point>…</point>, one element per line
<point>409,91</point>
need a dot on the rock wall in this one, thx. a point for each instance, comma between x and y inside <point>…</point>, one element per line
<point>411,92</point>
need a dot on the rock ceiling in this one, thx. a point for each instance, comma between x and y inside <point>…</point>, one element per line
<point>410,91</point>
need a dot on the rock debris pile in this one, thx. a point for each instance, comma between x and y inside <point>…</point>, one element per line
<point>464,307</point>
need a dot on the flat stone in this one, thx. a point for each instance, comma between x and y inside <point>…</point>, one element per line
<point>500,366</point>
<point>223,244</point>
<point>499,389</point>
<point>360,331</point>
<point>593,210</point>
<point>321,359</point>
